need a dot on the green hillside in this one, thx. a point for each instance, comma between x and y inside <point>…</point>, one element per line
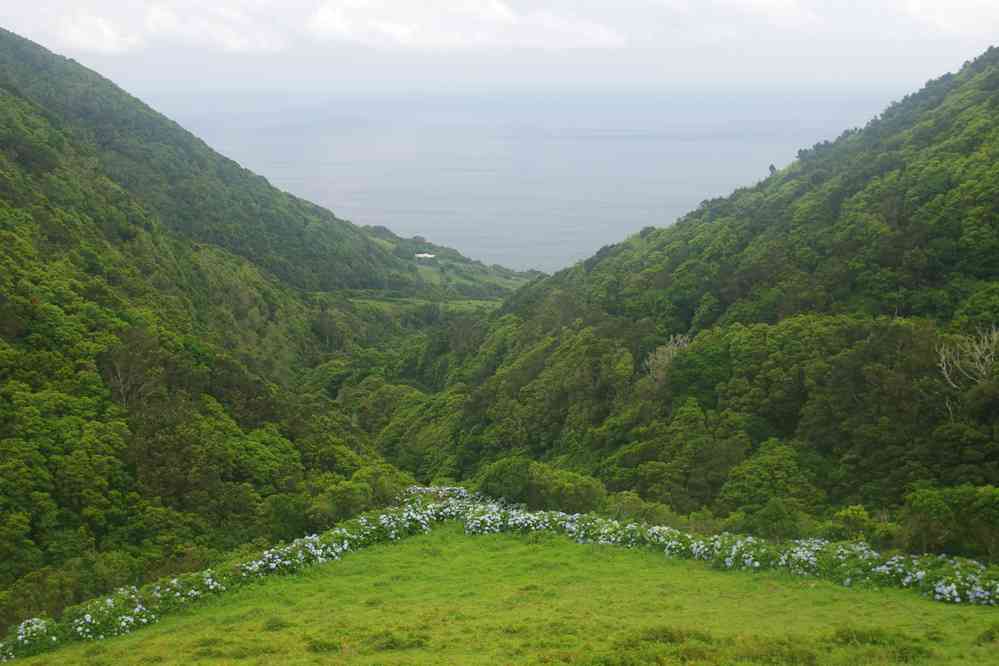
<point>820,340</point>
<point>191,189</point>
<point>194,364</point>
<point>173,334</point>
<point>447,268</point>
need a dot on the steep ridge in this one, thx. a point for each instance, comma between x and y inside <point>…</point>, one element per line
<point>820,340</point>
<point>203,195</point>
<point>192,189</point>
<point>149,414</point>
<point>897,218</point>
<point>173,332</point>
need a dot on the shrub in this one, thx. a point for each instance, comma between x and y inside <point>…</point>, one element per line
<point>989,636</point>
<point>392,640</point>
<point>276,624</point>
<point>540,486</point>
<point>852,522</point>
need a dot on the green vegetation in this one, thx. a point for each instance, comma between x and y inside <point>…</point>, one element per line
<point>814,355</point>
<point>452,271</point>
<point>193,190</point>
<point>173,335</point>
<point>193,362</point>
<point>850,563</point>
<point>445,597</point>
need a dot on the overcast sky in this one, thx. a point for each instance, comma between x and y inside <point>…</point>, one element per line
<point>349,46</point>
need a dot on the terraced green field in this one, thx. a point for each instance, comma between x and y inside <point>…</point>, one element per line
<point>447,598</point>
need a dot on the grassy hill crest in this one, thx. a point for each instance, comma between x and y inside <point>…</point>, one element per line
<point>546,536</point>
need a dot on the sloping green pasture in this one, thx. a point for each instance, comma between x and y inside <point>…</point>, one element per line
<point>447,598</point>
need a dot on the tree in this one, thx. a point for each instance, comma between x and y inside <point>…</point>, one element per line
<point>853,522</point>
<point>969,360</point>
<point>929,518</point>
<point>658,362</point>
<point>772,472</point>
<point>132,367</point>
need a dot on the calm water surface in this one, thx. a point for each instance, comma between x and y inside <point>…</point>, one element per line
<point>526,181</point>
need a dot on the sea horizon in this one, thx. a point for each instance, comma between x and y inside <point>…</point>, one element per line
<point>521,180</point>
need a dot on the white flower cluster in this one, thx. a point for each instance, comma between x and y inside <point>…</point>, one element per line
<point>33,630</point>
<point>168,594</point>
<point>802,557</point>
<point>314,549</point>
<point>29,637</point>
<point>742,554</point>
<point>307,551</point>
<point>115,615</point>
<point>437,492</point>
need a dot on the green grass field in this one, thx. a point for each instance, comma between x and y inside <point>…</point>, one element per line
<point>447,598</point>
<point>396,306</point>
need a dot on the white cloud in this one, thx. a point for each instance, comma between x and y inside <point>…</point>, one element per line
<point>782,13</point>
<point>957,17</point>
<point>215,26</point>
<point>88,32</point>
<point>400,26</point>
<point>382,44</point>
<point>728,16</point>
<point>438,25</point>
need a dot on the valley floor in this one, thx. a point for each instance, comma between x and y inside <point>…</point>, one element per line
<point>447,598</point>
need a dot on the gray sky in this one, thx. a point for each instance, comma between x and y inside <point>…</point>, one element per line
<point>364,46</point>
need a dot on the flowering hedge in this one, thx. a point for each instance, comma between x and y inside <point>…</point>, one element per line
<point>948,579</point>
<point>939,577</point>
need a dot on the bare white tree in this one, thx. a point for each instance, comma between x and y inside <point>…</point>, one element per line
<point>661,358</point>
<point>969,360</point>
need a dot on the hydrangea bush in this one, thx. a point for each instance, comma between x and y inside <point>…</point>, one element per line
<point>948,579</point>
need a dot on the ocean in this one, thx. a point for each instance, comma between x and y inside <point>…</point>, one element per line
<point>526,181</point>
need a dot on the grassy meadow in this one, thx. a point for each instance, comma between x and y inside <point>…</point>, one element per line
<point>447,598</point>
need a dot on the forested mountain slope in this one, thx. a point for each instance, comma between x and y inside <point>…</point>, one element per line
<point>173,332</point>
<point>148,413</point>
<point>203,195</point>
<point>897,218</point>
<point>192,189</point>
<point>819,340</point>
